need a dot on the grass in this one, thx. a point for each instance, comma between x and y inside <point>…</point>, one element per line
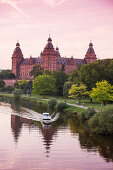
<point>73,109</point>
<point>43,99</point>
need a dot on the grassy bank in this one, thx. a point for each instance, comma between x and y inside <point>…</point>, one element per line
<point>44,100</point>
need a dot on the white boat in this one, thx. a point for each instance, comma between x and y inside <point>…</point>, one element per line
<point>46,118</point>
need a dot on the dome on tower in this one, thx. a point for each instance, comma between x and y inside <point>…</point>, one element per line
<point>17,44</point>
<point>57,49</point>
<point>91,45</point>
<point>49,39</point>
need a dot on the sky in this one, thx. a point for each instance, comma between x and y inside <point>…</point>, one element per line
<point>72,24</point>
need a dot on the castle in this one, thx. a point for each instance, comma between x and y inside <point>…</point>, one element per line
<point>50,59</point>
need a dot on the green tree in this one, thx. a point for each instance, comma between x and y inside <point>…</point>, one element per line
<point>103,92</point>
<point>73,76</point>
<point>66,87</point>
<point>25,86</point>
<point>60,78</point>
<point>7,74</point>
<point>63,67</point>
<point>98,71</point>
<point>2,83</point>
<point>102,121</point>
<point>17,94</point>
<point>36,71</point>
<point>44,85</point>
<point>78,91</point>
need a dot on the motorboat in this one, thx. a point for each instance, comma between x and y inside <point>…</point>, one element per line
<point>46,118</point>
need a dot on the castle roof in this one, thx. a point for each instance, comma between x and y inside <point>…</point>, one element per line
<point>65,61</point>
<point>26,61</point>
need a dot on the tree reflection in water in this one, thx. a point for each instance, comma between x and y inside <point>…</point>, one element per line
<point>101,144</point>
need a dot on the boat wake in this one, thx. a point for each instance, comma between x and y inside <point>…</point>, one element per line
<point>25,113</point>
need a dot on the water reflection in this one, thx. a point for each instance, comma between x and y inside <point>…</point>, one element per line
<point>90,143</point>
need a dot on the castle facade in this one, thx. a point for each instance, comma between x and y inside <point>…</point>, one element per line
<point>50,59</point>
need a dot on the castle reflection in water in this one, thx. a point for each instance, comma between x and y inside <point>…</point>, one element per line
<point>47,132</point>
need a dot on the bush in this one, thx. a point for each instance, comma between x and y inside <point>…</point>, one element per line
<point>17,93</point>
<point>9,89</point>
<point>87,114</point>
<point>61,106</point>
<point>102,122</point>
<point>52,103</point>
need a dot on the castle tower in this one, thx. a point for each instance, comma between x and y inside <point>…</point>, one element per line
<point>17,57</point>
<point>90,56</point>
<point>57,52</point>
<point>49,56</point>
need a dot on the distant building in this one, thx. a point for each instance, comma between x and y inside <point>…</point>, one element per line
<point>50,59</point>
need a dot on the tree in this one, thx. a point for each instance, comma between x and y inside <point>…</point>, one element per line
<point>103,92</point>
<point>2,83</point>
<point>60,78</point>
<point>63,67</point>
<point>36,71</point>
<point>98,71</point>
<point>7,74</point>
<point>9,89</point>
<point>78,91</point>
<point>73,76</point>
<point>17,93</point>
<point>66,87</point>
<point>44,85</point>
<point>25,86</point>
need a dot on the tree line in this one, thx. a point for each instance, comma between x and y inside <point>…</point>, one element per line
<point>79,83</point>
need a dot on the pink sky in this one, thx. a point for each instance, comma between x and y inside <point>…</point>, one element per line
<point>71,23</point>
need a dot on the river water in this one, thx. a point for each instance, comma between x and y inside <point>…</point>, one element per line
<point>25,144</point>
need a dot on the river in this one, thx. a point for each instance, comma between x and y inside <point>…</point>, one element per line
<point>25,144</point>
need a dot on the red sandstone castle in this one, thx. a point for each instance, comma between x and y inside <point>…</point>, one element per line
<point>50,59</point>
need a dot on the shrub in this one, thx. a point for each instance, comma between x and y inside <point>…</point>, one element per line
<point>17,93</point>
<point>61,106</point>
<point>87,114</point>
<point>9,89</point>
<point>52,103</point>
<point>102,122</point>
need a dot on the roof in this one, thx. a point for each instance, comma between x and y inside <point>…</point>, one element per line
<point>26,61</point>
<point>64,60</point>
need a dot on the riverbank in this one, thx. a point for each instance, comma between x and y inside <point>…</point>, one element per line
<point>73,108</point>
<point>73,103</point>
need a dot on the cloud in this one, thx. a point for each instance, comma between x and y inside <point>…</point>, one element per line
<point>13,4</point>
<point>54,2</point>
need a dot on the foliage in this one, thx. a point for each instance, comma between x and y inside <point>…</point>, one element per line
<point>66,87</point>
<point>74,76</point>
<point>78,91</point>
<point>36,71</point>
<point>61,106</point>
<point>9,89</point>
<point>102,122</point>
<point>47,72</point>
<point>17,93</point>
<point>25,86</point>
<point>87,114</point>
<point>7,74</point>
<point>52,103</point>
<point>2,83</point>
<point>44,85</point>
<point>63,67</point>
<point>98,71</point>
<point>103,92</point>
<point>60,78</point>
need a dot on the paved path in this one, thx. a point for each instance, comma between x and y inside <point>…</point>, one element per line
<point>70,104</point>
<point>76,105</point>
